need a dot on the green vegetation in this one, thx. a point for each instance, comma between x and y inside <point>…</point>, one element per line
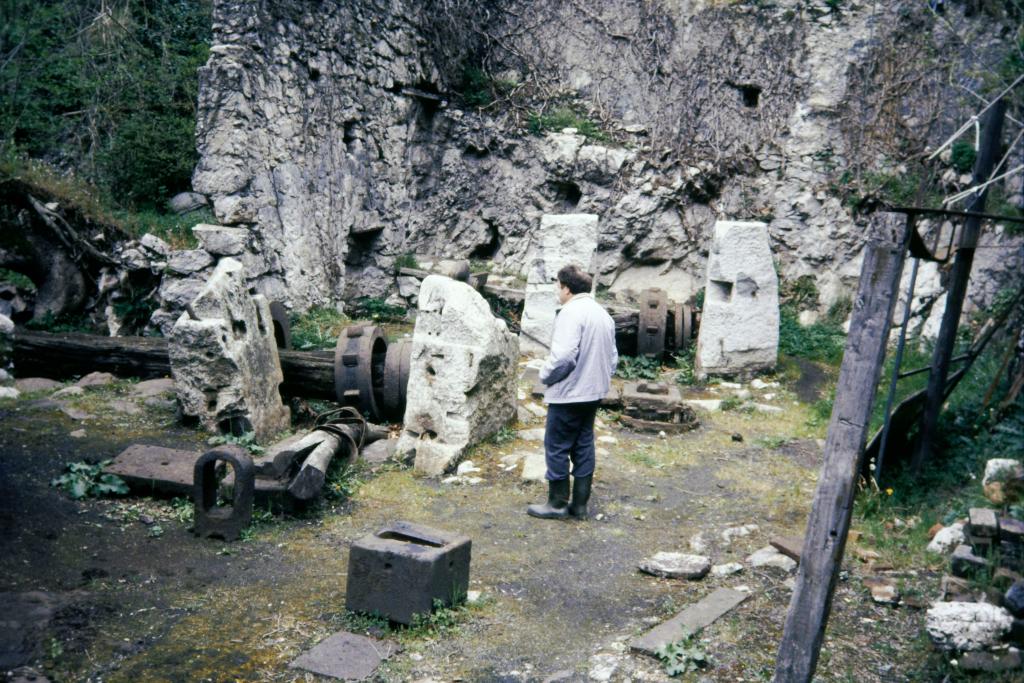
<point>478,89</point>
<point>686,365</point>
<point>343,480</point>
<point>376,309</point>
<point>65,322</point>
<point>317,328</point>
<point>87,480</point>
<point>638,367</point>
<point>17,279</point>
<point>822,341</point>
<point>406,261</point>
<point>246,441</point>
<point>565,117</point>
<point>683,656</point>
<point>963,156</point>
<point>106,89</point>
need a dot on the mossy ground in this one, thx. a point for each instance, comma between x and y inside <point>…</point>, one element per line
<point>170,607</point>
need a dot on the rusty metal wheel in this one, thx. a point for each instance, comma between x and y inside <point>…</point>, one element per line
<point>282,325</point>
<point>359,368</point>
<point>396,377</point>
<point>687,328</point>
<point>650,334</point>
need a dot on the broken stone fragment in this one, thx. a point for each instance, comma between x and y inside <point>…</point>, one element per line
<point>741,294</point>
<point>95,379</point>
<point>6,342</point>
<point>566,238</point>
<point>727,569</point>
<point>991,662</point>
<point>1003,480</point>
<point>189,261</point>
<point>1014,599</point>
<point>770,557</point>
<point>677,565</point>
<point>29,385</point>
<point>965,563</point>
<point>965,626</point>
<point>1011,530</point>
<point>983,522</point>
<point>220,240</point>
<point>946,539</point>
<point>224,358</point>
<point>462,376</point>
<point>883,590</point>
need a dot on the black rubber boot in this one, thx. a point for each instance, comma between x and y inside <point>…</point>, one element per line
<point>557,506</point>
<point>580,496</point>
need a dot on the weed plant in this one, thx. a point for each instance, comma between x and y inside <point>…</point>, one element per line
<point>638,367</point>
<point>565,117</point>
<point>87,480</point>
<point>376,309</point>
<point>317,328</point>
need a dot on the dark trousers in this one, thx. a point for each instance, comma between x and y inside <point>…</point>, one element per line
<point>569,436</point>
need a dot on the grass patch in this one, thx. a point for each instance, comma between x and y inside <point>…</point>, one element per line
<point>565,117</point>
<point>171,228</point>
<point>376,309</point>
<point>317,328</point>
<point>822,341</point>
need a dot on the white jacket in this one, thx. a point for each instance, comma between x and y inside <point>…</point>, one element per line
<point>583,355</point>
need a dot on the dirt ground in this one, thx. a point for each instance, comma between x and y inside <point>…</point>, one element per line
<point>120,590</point>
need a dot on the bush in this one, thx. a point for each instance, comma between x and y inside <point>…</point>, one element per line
<point>822,341</point>
<point>638,367</point>
<point>963,156</point>
<point>565,117</point>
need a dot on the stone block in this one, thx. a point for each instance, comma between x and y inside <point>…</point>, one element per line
<point>565,239</point>
<point>966,626</point>
<point>1011,530</point>
<point>692,619</point>
<point>991,662</point>
<point>220,240</point>
<point>462,376</point>
<point>654,406</point>
<point>224,358</point>
<point>402,569</point>
<point>964,563</point>
<point>347,656</point>
<point>1013,600</point>
<point>149,469</point>
<point>983,522</point>
<point>739,330</point>
<point>954,589</point>
<point>677,566</point>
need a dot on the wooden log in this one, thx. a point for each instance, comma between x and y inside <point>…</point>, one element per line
<point>309,374</point>
<point>829,521</point>
<point>309,482</point>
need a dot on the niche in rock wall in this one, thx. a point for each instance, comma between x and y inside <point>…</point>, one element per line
<point>564,194</point>
<point>487,250</point>
<point>750,94</point>
<point>362,244</point>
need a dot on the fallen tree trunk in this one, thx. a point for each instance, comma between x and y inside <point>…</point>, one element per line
<point>309,374</point>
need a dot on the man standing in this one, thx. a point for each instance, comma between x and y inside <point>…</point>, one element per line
<point>577,374</point>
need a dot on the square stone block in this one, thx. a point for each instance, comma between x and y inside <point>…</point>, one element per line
<point>401,570</point>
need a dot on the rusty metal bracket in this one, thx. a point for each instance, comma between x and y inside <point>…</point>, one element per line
<point>223,522</point>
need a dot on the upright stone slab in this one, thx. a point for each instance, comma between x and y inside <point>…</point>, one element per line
<point>739,328</point>
<point>6,343</point>
<point>462,376</point>
<point>224,358</point>
<point>565,239</point>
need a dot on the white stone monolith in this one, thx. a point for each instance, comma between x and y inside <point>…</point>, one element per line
<point>224,358</point>
<point>739,327</point>
<point>462,376</point>
<point>565,239</point>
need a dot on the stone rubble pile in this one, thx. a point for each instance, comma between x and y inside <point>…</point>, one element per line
<point>982,624</point>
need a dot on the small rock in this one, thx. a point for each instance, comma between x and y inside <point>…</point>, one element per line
<point>9,392</point>
<point>125,407</point>
<point>765,408</point>
<point>68,392</point>
<point>5,377</point>
<point>603,667</point>
<point>531,434</point>
<point>883,591</point>
<point>983,522</point>
<point>737,437</point>
<point>378,452</point>
<point>947,539</point>
<point>965,563</point>
<point>698,544</point>
<point>770,557</point>
<point>727,569</point>
<point>538,411</point>
<point>610,440</point>
<point>77,434</point>
<point>708,404</point>
<point>523,415</point>
<point>75,413</point>
<point>153,387</point>
<point>992,662</point>
<point>466,467</point>
<point>95,379</point>
<point>473,597</point>
<point>758,384</point>
<point>1014,599</point>
<point>738,532</point>
<point>29,385</point>
<point>534,467</point>
<point>966,625</point>
<point>677,565</point>
<point>954,589</point>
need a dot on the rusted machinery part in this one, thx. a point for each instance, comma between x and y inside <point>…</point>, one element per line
<point>650,337</point>
<point>674,339</point>
<point>225,523</point>
<point>396,378</point>
<point>358,368</point>
<point>282,325</point>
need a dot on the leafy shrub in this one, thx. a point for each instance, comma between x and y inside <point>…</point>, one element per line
<point>801,293</point>
<point>638,367</point>
<point>373,308</point>
<point>317,328</point>
<point>565,117</point>
<point>246,441</point>
<point>85,480</point>
<point>406,261</point>
<point>963,156</point>
<point>686,365</point>
<point>683,656</point>
<point>65,322</point>
<point>822,341</point>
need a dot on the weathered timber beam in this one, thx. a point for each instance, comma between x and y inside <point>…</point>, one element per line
<point>829,521</point>
<point>309,374</point>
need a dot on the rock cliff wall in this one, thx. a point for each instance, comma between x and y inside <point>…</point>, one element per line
<point>334,131</point>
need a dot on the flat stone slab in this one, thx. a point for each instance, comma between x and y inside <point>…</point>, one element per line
<point>692,619</point>
<point>790,546</point>
<point>345,655</point>
<point>677,565</point>
<point>154,468</point>
<point>534,467</point>
<point>31,384</point>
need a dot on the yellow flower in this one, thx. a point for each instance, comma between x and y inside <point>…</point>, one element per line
<point>888,492</point>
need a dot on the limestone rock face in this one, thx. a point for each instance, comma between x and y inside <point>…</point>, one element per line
<point>739,329</point>
<point>565,239</point>
<point>6,343</point>
<point>966,626</point>
<point>224,358</point>
<point>462,376</point>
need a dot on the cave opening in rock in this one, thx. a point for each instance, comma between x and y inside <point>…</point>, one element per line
<point>487,250</point>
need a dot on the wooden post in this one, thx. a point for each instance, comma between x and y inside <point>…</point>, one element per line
<point>829,520</point>
<point>958,278</point>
